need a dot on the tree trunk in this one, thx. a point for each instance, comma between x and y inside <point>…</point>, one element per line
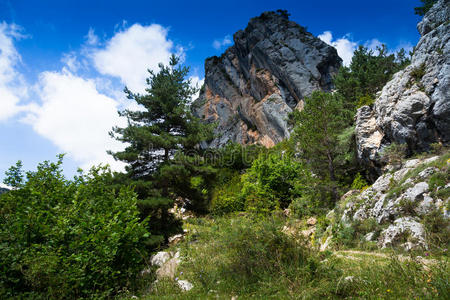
<point>166,155</point>
<point>332,175</point>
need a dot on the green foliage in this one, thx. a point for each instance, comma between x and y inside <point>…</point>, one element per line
<point>438,148</point>
<point>426,5</point>
<point>272,182</point>
<point>164,126</point>
<point>418,72</point>
<point>359,182</point>
<point>160,139</point>
<point>65,239</point>
<point>437,228</point>
<point>367,73</point>
<point>251,258</point>
<point>394,153</point>
<point>153,207</point>
<point>365,100</point>
<point>14,176</point>
<point>438,180</point>
<point>317,134</point>
<point>307,205</point>
<point>226,197</point>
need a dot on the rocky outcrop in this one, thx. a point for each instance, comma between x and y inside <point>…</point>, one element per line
<point>398,203</point>
<point>414,107</point>
<point>250,90</point>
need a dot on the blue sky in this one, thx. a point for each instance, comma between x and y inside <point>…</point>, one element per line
<point>63,64</point>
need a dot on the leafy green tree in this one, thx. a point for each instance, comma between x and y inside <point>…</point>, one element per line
<point>68,239</point>
<point>316,133</point>
<point>367,74</point>
<point>422,10</point>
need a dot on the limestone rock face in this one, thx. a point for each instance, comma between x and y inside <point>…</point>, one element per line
<point>250,90</point>
<point>414,107</point>
<point>400,200</point>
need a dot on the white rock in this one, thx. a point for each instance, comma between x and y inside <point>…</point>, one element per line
<point>368,237</point>
<point>168,269</point>
<point>400,174</point>
<point>431,159</point>
<point>349,278</point>
<point>412,163</point>
<point>185,285</point>
<point>415,193</point>
<point>325,245</point>
<point>175,238</point>
<point>427,172</point>
<point>160,258</point>
<point>404,225</point>
<point>425,206</point>
<point>382,184</point>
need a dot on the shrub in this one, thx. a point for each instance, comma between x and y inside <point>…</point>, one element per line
<point>271,182</point>
<point>359,183</point>
<point>67,239</point>
<point>426,6</point>
<point>394,153</point>
<point>437,228</point>
<point>437,148</point>
<point>438,180</point>
<point>365,100</point>
<point>226,197</point>
<point>418,72</point>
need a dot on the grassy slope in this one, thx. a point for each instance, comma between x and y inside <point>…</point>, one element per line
<point>249,257</point>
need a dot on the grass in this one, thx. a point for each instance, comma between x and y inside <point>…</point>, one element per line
<point>249,257</point>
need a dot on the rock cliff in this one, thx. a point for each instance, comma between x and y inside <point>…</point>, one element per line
<point>396,209</point>
<point>414,107</point>
<point>250,90</point>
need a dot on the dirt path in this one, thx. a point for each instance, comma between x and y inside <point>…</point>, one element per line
<point>349,254</point>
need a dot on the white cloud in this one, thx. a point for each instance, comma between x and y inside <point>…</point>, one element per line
<point>344,46</point>
<point>76,118</point>
<point>92,38</point>
<point>197,83</point>
<point>373,44</point>
<point>130,52</point>
<point>217,44</point>
<point>71,62</point>
<point>12,87</point>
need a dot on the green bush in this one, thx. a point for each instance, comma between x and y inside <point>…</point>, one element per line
<point>438,229</point>
<point>418,72</point>
<point>438,180</point>
<point>365,100</point>
<point>359,182</point>
<point>272,182</point>
<point>226,197</point>
<point>64,238</point>
<point>394,153</point>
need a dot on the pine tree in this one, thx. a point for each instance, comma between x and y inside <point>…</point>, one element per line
<point>422,10</point>
<point>164,127</point>
<point>367,73</point>
<point>166,124</point>
<point>316,134</point>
